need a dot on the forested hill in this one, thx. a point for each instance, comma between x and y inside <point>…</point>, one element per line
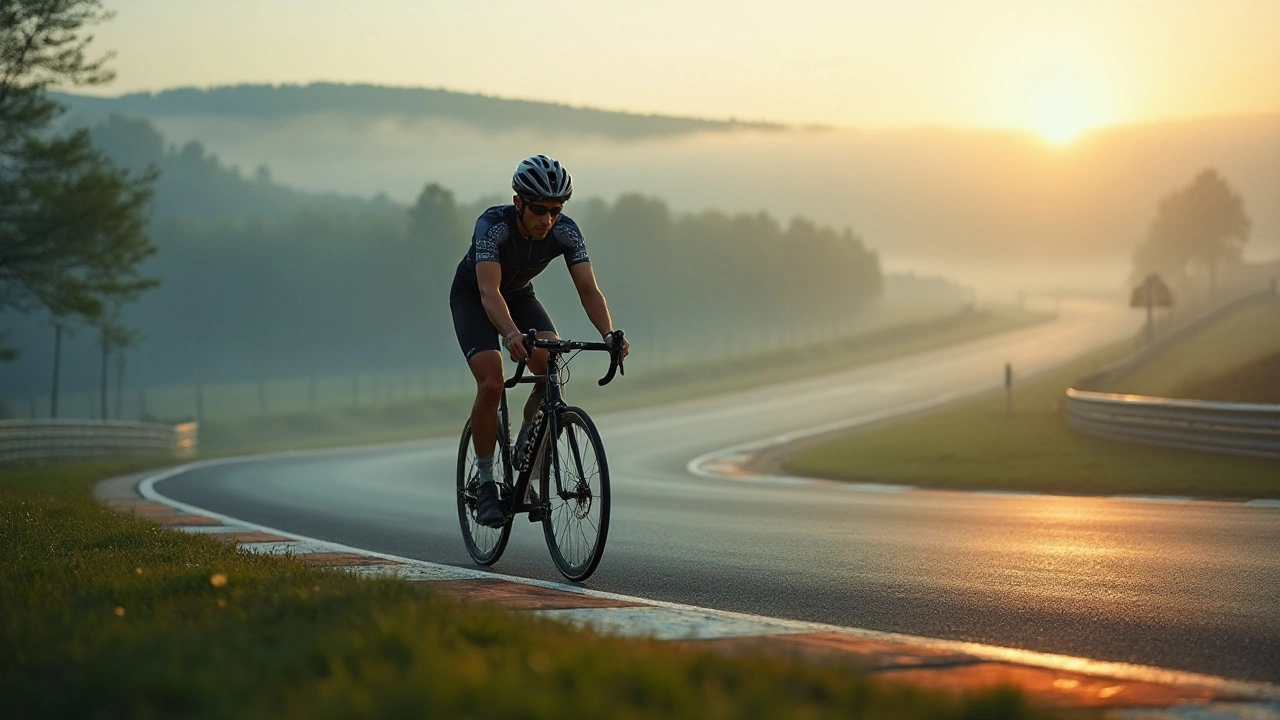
<point>259,280</point>
<point>492,114</point>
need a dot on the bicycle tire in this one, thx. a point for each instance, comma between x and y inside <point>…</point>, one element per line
<point>577,523</point>
<point>484,544</point>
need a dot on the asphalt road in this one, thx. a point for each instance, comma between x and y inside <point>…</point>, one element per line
<point>1182,585</point>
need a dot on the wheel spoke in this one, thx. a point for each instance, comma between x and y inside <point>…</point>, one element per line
<point>484,544</point>
<point>578,523</point>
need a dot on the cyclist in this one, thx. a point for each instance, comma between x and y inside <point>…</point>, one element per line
<point>492,297</point>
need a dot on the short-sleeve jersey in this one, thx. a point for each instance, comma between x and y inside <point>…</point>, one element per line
<point>496,239</point>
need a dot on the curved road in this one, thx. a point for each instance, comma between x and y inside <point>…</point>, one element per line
<point>1191,586</point>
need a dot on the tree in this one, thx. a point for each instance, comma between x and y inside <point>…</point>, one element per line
<point>1203,223</point>
<point>72,225</point>
<point>434,216</point>
<point>114,336</point>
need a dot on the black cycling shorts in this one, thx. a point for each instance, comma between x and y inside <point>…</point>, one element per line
<point>475,332</point>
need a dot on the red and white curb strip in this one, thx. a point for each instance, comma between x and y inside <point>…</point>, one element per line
<point>1128,692</point>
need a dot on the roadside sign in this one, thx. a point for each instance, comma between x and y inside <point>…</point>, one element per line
<point>1151,293</point>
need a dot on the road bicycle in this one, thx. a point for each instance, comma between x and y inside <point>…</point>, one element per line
<point>571,496</point>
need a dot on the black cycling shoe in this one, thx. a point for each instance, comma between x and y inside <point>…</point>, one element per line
<point>489,507</point>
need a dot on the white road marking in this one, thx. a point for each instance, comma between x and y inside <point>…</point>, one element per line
<point>660,618</point>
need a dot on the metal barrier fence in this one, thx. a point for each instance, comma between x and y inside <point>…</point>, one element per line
<point>24,441</point>
<point>1251,429</point>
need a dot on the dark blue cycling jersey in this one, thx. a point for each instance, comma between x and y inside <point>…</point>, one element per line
<point>496,239</point>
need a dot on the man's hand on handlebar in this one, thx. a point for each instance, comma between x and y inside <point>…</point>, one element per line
<point>514,343</point>
<point>626,345</point>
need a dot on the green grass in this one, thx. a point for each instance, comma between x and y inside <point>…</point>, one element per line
<point>443,416</point>
<point>976,446</point>
<point>1243,337</point>
<point>104,615</point>
<point>1257,381</point>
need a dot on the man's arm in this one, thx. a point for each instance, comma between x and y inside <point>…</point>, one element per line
<point>584,279</point>
<point>489,276</point>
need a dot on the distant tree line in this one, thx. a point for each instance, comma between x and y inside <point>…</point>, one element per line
<point>264,281</point>
<point>265,102</point>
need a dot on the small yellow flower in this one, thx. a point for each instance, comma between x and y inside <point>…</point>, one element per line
<point>138,570</point>
<point>119,611</point>
<point>218,580</point>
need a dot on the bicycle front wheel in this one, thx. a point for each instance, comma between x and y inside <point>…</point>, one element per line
<point>484,544</point>
<point>575,482</point>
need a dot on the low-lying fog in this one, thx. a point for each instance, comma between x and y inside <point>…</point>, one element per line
<point>998,210</point>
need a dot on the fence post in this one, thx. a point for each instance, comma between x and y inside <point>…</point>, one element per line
<point>1008,389</point>
<point>57,359</point>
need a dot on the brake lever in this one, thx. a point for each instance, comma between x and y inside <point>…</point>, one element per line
<point>528,346</point>
<point>615,359</point>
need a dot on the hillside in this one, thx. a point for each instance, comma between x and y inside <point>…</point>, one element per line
<point>1002,210</point>
<point>282,102</point>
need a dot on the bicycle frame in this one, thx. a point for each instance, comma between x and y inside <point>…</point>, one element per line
<point>552,401</point>
<point>547,427</point>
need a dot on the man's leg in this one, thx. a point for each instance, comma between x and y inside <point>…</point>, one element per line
<point>486,367</point>
<point>537,366</point>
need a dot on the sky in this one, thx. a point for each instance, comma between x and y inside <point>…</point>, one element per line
<point>1056,67</point>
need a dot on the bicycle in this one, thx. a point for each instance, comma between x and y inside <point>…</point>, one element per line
<point>572,497</point>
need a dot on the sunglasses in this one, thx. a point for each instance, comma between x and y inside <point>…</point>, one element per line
<point>541,210</point>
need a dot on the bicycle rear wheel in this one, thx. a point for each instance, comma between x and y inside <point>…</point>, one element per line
<point>575,483</point>
<point>484,544</point>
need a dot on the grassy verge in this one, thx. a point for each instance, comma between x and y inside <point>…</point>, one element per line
<point>1245,336</point>
<point>975,445</point>
<point>104,615</point>
<point>1256,381</point>
<point>444,416</point>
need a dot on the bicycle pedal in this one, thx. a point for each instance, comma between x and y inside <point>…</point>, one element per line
<point>537,513</point>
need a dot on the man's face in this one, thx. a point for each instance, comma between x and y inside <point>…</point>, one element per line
<point>538,217</point>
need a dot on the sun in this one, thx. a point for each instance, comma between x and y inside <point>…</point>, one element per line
<point>1060,117</point>
<point>1060,131</point>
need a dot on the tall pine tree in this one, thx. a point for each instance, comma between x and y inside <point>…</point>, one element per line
<point>72,225</point>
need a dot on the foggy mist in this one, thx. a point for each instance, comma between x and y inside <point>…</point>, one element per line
<point>993,209</point>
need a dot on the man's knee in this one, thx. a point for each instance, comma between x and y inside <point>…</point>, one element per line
<point>489,389</point>
<point>487,370</point>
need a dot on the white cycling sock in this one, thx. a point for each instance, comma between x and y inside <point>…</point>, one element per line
<point>485,466</point>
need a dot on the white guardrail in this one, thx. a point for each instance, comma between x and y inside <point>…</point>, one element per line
<point>30,441</point>
<point>1251,429</point>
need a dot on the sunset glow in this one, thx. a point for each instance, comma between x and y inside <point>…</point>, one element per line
<point>1054,67</point>
<point>1060,119</point>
